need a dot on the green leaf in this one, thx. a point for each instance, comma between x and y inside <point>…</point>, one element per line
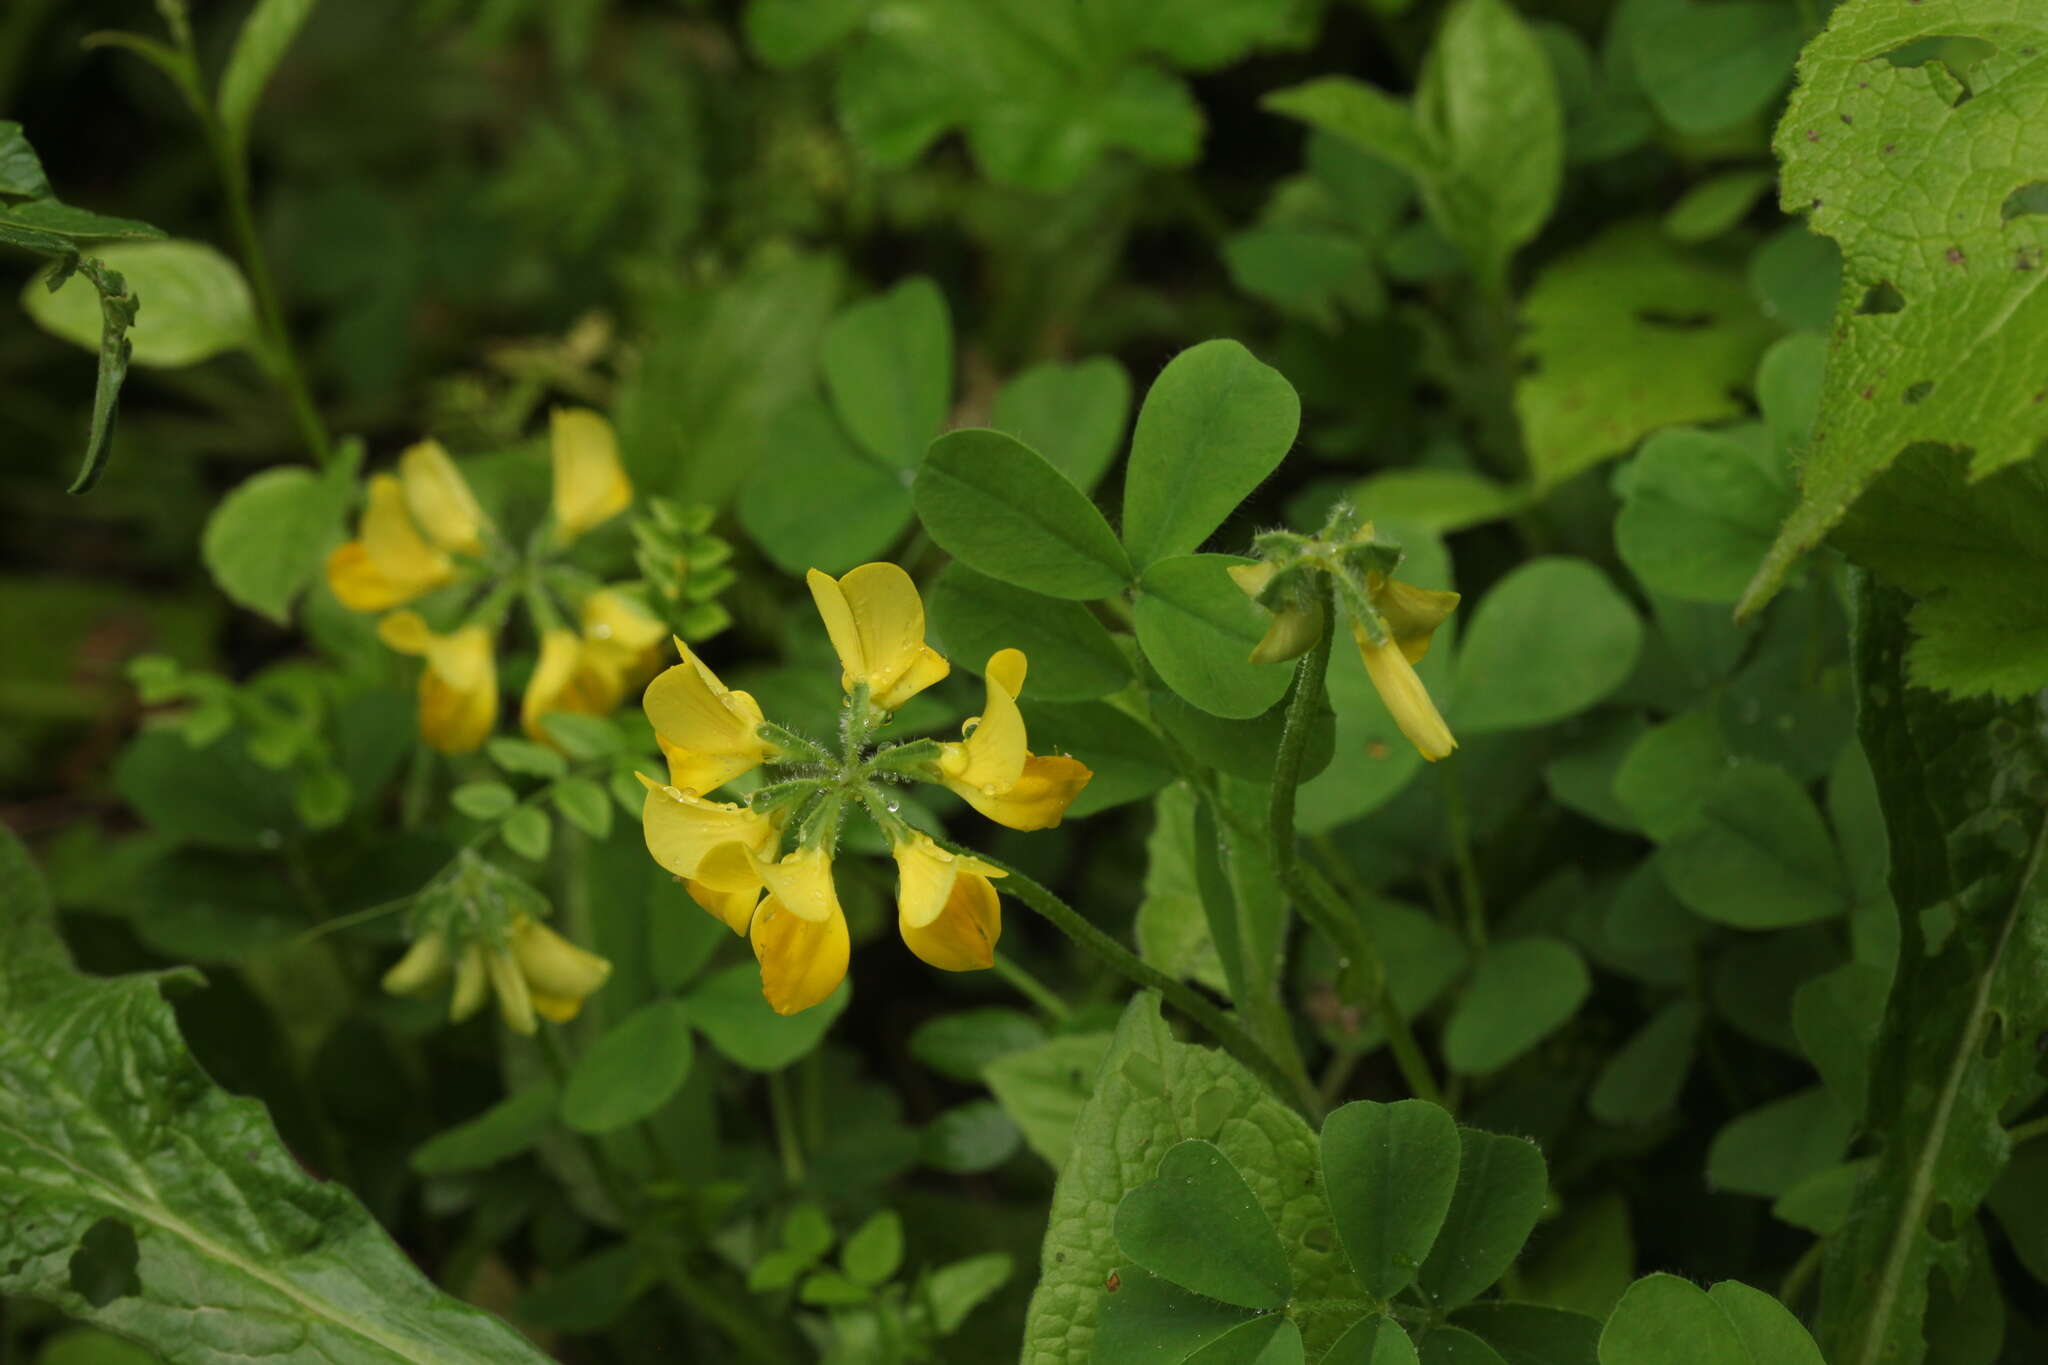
<point>212,1213</point>
<point>786,33</point>
<point>1955,780</point>
<point>1373,1341</point>
<point>728,1008</point>
<point>1269,1340</point>
<point>1707,67</point>
<point>875,1250</point>
<point>583,804</point>
<point>959,1045</point>
<point>1664,1320</point>
<point>1152,1092</point>
<point>1836,1018</point>
<point>1643,1079</point>
<point>1172,927</point>
<point>1699,509</point>
<point>1456,1346</point>
<point>1756,854</point>
<point>265,540</point>
<point>21,171</point>
<point>525,758</point>
<point>821,503</point>
<point>995,505</point>
<point>1773,1147</point>
<point>55,229</point>
<point>1390,1171</point>
<point>483,800</point>
<point>1307,272</point>
<point>1197,1225</point>
<point>1442,500</point>
<point>888,364</point>
<point>1522,991</point>
<point>1147,1321</point>
<point>195,303</point>
<point>1127,759</point>
<point>1198,39</point>
<point>2017,1200</point>
<point>1668,773</point>
<point>259,47</point>
<point>504,1130</point>
<point>1359,114</point>
<point>1501,1187</point>
<point>969,1138</point>
<point>1715,205</point>
<point>1197,629</point>
<point>1044,1089</point>
<point>1533,1334</point>
<point>956,1290</point>
<point>1550,640</point>
<point>214,795</point>
<point>1625,335</point>
<point>1940,316</point>
<point>830,1289</point>
<point>1072,655</point>
<point>1214,425</point>
<point>1074,415</point>
<point>633,1069</point>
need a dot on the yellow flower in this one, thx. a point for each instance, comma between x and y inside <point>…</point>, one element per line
<point>876,621</point>
<point>946,906</point>
<point>710,735</point>
<point>1411,614</point>
<point>683,828</point>
<point>389,562</point>
<point>439,499</point>
<point>536,972</point>
<point>458,688</point>
<point>991,768</point>
<point>1294,629</point>
<point>1391,668</point>
<point>621,635</point>
<point>802,960</point>
<point>590,484</point>
<point>566,678</point>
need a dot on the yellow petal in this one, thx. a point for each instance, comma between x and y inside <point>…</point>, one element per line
<point>564,680</point>
<point>459,691</point>
<point>691,771</point>
<point>681,828</point>
<point>876,621</point>
<point>1412,614</point>
<point>439,499</point>
<point>962,937</point>
<point>734,909</point>
<point>1393,677</point>
<point>692,711</point>
<point>1006,669</point>
<point>425,963</point>
<point>360,585</point>
<point>515,999</point>
<point>1251,579</point>
<point>623,635</point>
<point>554,966</point>
<point>472,984</point>
<point>991,757</point>
<point>393,543</point>
<point>925,876</point>
<point>1037,799</point>
<point>1290,635</point>
<point>802,961</point>
<point>406,632</point>
<point>802,882</point>
<point>590,484</point>
<point>558,1009</point>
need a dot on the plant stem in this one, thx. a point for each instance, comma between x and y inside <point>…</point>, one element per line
<point>1469,888</point>
<point>2027,1132</point>
<point>1220,1026</point>
<point>1032,989</point>
<point>784,1117</point>
<point>1308,689</point>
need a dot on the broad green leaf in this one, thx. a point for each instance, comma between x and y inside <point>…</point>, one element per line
<point>1127,759</point>
<point>1623,336</point>
<point>820,503</point>
<point>2017,1200</point>
<point>591,1293</point>
<point>1582,776</point>
<point>506,1129</point>
<point>1521,991</point>
<point>1307,272</point>
<point>1442,500</point>
<point>260,45</point>
<point>1551,639</point>
<point>1767,1327</point>
<point>1960,548</point>
<point>528,832</point>
<point>631,1070</point>
<point>1755,854</point>
<point>1664,1320</point>
<point>1044,1089</point>
<point>1586,1258</point>
<point>1940,318</point>
<point>785,33</point>
<point>1373,1341</point>
<point>1214,425</point>
<point>583,804</point>
<point>1196,1224</point>
<point>526,758</point>
<point>268,538</point>
<point>888,364</point>
<point>1501,1186</point>
<point>1199,38</point>
<point>1074,415</point>
<point>1150,1093</point>
<point>1699,508</point>
<point>85,1346</point>
<point>483,800</point>
<point>728,1008</point>
<point>1667,774</point>
<point>21,171</point>
<point>1072,656</point>
<point>1172,928</point>
<point>971,1137</point>
<point>110,1133</point>
<point>1955,781</point>
<point>1390,1171</point>
<point>875,1250</point>
<point>1796,278</point>
<point>1147,1321</point>
<point>195,303</point>
<point>1533,1334</point>
<point>53,228</point>
<point>214,795</point>
<point>995,505</point>
<point>1773,1147</point>
<point>1198,629</point>
<point>1713,206</point>
<point>1456,1346</point>
<point>1643,1079</point>
<point>1836,1018</point>
<point>959,1045</point>
<point>956,1290</point>
<point>1707,67</point>
<point>1820,1203</point>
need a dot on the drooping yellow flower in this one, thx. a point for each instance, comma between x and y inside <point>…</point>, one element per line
<point>802,960</point>
<point>622,636</point>
<point>439,499</point>
<point>709,734</point>
<point>459,686</point>
<point>682,828</point>
<point>1390,666</point>
<point>946,906</point>
<point>797,930</point>
<point>992,769</point>
<point>566,678</point>
<point>536,972</point>
<point>389,562</point>
<point>876,621</point>
<point>590,483</point>
<point>1411,614</point>
<point>1294,628</point>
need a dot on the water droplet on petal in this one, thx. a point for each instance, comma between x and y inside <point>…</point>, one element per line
<point>892,805</point>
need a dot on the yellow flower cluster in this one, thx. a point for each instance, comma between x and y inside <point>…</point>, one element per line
<point>534,972</point>
<point>764,866</point>
<point>423,529</point>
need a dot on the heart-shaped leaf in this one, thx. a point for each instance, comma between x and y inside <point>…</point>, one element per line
<point>1390,1171</point>
<point>1197,1224</point>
